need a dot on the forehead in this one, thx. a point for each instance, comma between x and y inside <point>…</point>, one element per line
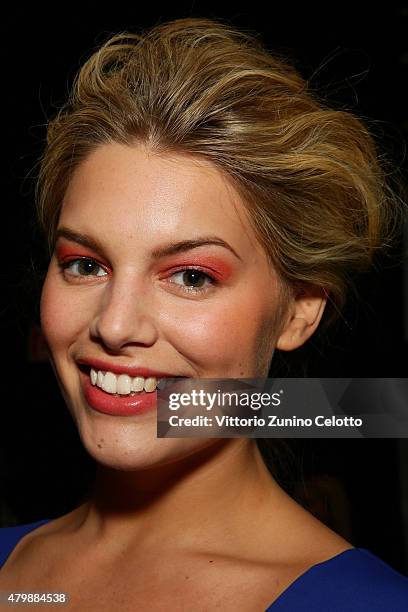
<point>123,191</point>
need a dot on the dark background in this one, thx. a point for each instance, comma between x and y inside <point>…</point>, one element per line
<point>357,57</point>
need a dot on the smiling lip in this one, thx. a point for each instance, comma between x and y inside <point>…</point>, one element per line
<point>116,405</point>
<point>117,368</point>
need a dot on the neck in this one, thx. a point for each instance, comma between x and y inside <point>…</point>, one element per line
<point>220,486</point>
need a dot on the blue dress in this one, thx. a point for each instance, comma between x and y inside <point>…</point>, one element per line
<point>353,581</point>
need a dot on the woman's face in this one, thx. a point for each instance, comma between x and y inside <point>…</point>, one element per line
<point>141,220</point>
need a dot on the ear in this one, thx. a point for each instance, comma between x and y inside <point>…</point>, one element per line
<point>305,312</point>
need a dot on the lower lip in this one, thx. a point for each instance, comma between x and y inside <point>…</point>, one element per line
<point>116,405</point>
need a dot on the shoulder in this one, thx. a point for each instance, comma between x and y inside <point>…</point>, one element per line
<point>355,580</point>
<point>11,536</point>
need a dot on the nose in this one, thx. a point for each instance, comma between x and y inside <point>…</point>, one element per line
<point>123,315</point>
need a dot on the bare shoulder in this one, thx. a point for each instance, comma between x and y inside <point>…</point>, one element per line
<point>35,548</point>
<point>282,556</point>
<point>290,540</point>
<point>254,568</point>
<point>305,541</point>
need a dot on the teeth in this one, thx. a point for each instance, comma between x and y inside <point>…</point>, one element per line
<point>109,382</point>
<point>150,384</point>
<point>138,383</point>
<point>99,379</point>
<point>123,384</point>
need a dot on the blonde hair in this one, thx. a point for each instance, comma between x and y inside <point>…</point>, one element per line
<point>311,177</point>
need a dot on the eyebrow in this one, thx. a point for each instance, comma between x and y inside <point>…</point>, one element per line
<point>171,249</point>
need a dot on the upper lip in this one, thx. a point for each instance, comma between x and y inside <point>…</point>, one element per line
<point>117,368</point>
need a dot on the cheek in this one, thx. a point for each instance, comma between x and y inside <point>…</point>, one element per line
<point>228,334</point>
<point>62,316</point>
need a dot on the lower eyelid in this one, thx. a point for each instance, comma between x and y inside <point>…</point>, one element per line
<point>186,289</point>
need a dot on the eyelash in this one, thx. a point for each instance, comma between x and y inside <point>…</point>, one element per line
<point>213,281</point>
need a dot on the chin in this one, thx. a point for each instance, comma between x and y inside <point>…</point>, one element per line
<point>130,447</point>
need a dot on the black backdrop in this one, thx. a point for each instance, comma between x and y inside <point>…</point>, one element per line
<point>358,58</point>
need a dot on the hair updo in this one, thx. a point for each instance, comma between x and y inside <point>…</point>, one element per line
<point>310,176</point>
<point>315,187</point>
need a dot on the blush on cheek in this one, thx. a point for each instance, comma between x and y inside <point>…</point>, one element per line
<point>216,344</point>
<point>233,342</point>
<point>60,314</point>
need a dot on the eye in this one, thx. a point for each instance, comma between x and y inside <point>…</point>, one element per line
<point>193,280</point>
<point>83,266</point>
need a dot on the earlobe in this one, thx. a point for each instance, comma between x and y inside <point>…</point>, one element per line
<point>305,313</point>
